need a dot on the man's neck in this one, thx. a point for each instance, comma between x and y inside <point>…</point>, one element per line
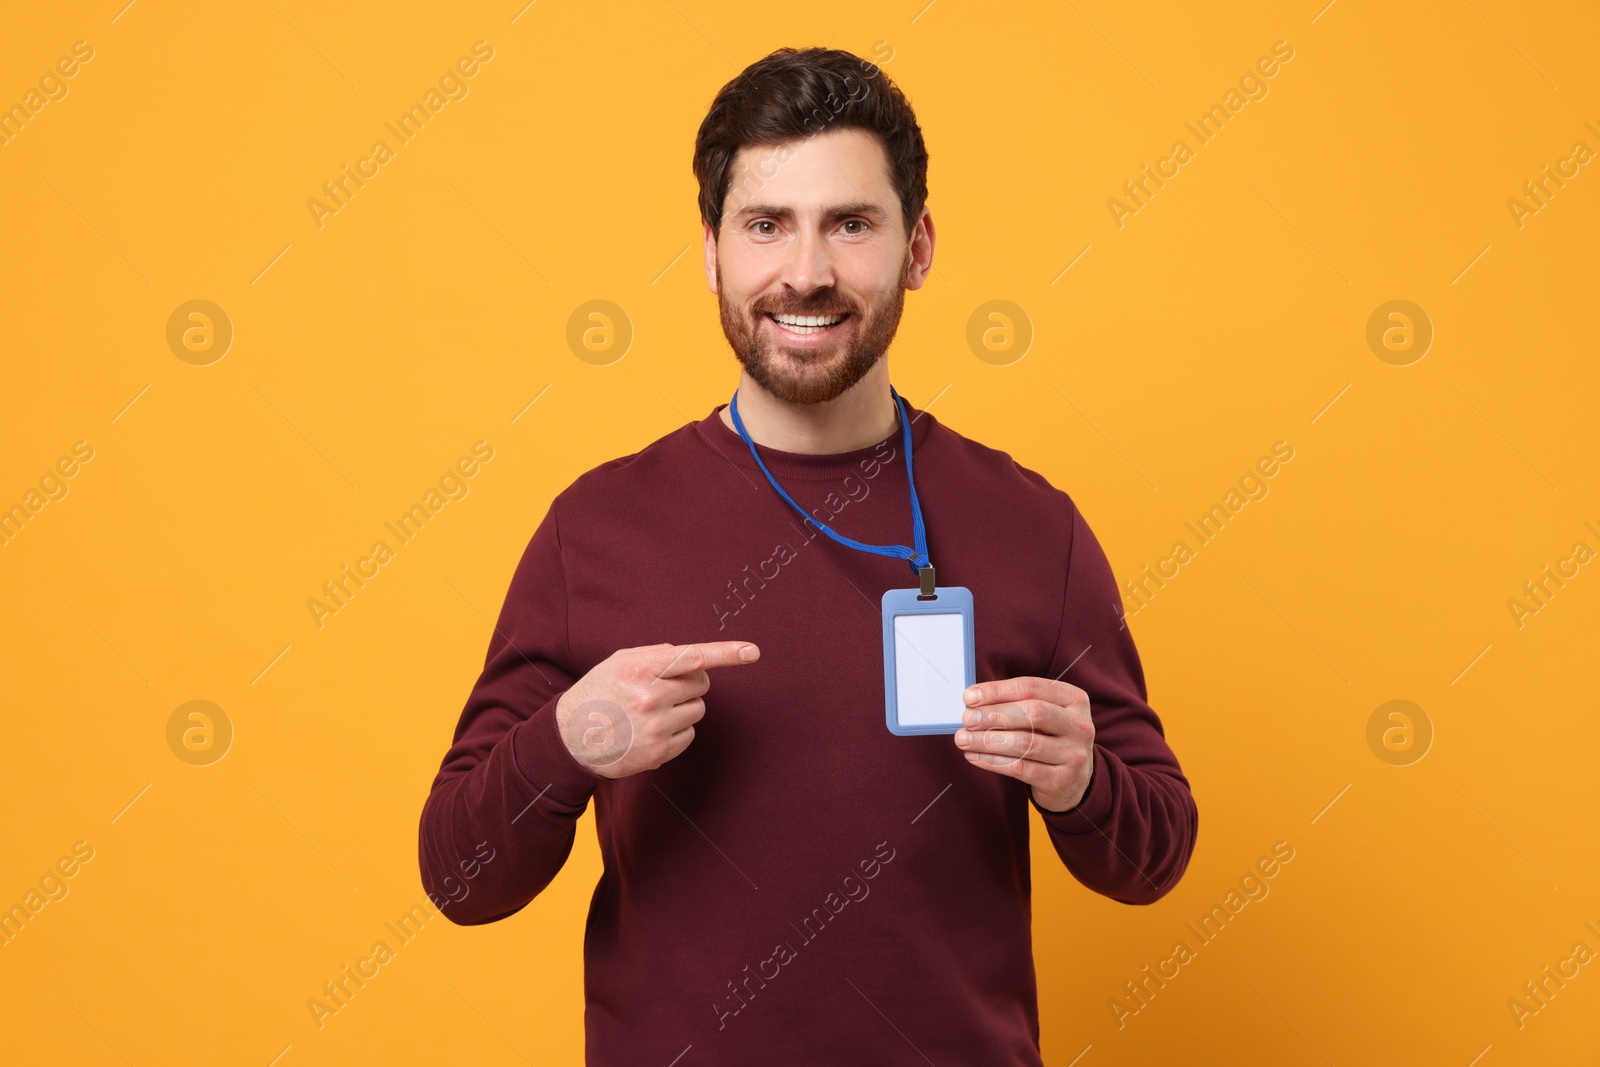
<point>860,417</point>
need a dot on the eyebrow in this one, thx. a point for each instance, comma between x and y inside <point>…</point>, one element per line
<point>862,207</point>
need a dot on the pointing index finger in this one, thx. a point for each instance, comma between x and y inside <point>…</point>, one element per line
<point>674,660</point>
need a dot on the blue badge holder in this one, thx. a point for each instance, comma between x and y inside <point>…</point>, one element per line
<point>950,660</point>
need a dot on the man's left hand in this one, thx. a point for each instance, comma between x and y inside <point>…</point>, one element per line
<point>1035,730</point>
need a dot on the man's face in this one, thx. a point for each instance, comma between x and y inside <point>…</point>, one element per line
<point>813,228</point>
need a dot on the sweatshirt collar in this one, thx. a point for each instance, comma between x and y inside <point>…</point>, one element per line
<point>725,440</point>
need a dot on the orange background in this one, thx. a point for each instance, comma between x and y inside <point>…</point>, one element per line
<point>1230,312</point>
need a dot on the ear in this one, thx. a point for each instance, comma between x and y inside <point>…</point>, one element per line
<point>711,259</point>
<point>920,251</point>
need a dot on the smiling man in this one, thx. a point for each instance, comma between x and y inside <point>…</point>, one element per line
<point>785,880</point>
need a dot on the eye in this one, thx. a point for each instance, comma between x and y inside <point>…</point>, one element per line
<point>765,222</point>
<point>856,222</point>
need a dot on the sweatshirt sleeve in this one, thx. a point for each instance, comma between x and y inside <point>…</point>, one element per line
<point>502,813</point>
<point>1131,835</point>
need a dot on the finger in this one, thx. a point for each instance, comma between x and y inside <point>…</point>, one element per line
<point>1002,690</point>
<point>1014,744</point>
<point>1040,716</point>
<point>679,741</point>
<point>1024,770</point>
<point>669,661</point>
<point>667,692</point>
<point>680,716</point>
<point>698,680</point>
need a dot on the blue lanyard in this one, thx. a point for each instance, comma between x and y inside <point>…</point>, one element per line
<point>921,565</point>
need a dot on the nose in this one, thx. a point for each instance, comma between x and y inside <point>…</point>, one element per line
<point>809,264</point>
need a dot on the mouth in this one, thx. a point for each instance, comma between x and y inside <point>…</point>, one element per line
<point>808,325</point>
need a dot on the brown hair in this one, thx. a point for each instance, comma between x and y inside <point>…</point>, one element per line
<point>799,93</point>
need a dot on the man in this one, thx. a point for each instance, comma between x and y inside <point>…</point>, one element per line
<point>787,881</point>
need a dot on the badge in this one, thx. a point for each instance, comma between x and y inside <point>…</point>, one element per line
<point>928,658</point>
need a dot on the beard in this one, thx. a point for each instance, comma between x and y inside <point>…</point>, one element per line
<point>824,373</point>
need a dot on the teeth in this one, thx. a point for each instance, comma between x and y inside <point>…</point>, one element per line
<point>808,320</point>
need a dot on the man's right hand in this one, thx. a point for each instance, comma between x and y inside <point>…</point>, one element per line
<point>637,708</point>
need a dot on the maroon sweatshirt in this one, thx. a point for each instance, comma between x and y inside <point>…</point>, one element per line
<point>800,885</point>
